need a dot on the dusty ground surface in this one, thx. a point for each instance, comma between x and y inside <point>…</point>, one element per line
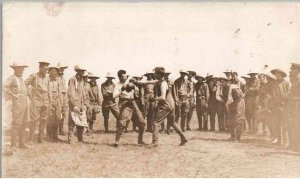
<point>207,154</point>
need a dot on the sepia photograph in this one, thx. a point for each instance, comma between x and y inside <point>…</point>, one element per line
<point>150,89</point>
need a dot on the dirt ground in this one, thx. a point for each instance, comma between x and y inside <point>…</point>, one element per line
<point>207,154</point>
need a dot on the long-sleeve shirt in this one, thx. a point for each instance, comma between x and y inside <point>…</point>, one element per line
<point>94,93</point>
<point>76,92</point>
<point>38,88</point>
<point>202,90</point>
<point>252,88</point>
<point>55,92</point>
<point>14,86</point>
<point>280,93</point>
<point>181,89</point>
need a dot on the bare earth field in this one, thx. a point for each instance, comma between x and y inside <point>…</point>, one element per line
<point>207,154</point>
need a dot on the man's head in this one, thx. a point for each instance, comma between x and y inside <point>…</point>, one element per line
<point>191,74</point>
<point>53,72</point>
<point>61,69</point>
<point>294,71</point>
<point>43,67</point>
<point>183,73</point>
<point>224,81</point>
<point>18,68</point>
<point>262,79</point>
<point>79,70</point>
<point>149,75</point>
<point>159,73</point>
<point>85,76</point>
<point>228,74</point>
<point>234,76</point>
<point>109,77</point>
<point>122,76</point>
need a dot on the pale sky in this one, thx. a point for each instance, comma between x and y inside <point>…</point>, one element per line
<point>205,37</point>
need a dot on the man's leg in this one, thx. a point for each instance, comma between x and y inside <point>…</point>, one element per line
<point>184,114</point>
<point>105,113</point>
<point>71,126</point>
<point>199,116</point>
<point>212,117</point>
<point>190,114</point>
<point>177,129</point>
<point>126,112</point>
<point>160,115</point>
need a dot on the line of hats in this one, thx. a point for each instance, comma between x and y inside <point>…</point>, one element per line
<point>193,73</point>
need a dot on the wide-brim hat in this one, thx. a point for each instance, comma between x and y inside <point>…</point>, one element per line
<point>269,75</point>
<point>78,68</point>
<point>245,77</point>
<point>193,73</point>
<point>227,71</point>
<point>109,75</point>
<point>201,78</point>
<point>53,67</point>
<point>251,72</point>
<point>44,63</point>
<point>148,73</point>
<point>184,71</point>
<point>60,66</point>
<point>277,70</point>
<point>85,74</point>
<point>167,73</point>
<point>17,65</point>
<point>91,75</point>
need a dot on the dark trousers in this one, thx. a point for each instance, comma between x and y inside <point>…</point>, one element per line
<point>38,114</point>
<point>161,113</point>
<point>114,109</point>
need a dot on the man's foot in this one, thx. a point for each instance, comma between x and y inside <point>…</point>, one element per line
<point>212,130</point>
<point>154,144</point>
<point>199,129</point>
<point>116,145</point>
<point>188,129</point>
<point>106,131</point>
<point>40,141</point>
<point>142,143</point>
<point>183,142</point>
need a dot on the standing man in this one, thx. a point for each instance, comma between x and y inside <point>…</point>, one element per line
<point>202,96</point>
<point>65,108</point>
<point>55,107</point>
<point>213,103</point>
<point>38,84</point>
<point>181,99</point>
<point>251,96</point>
<point>191,98</point>
<point>236,108</point>
<point>165,107</point>
<point>149,105</point>
<point>76,102</point>
<point>128,107</point>
<point>281,89</point>
<point>109,103</point>
<point>15,90</point>
<point>294,107</point>
<point>95,101</point>
<point>87,101</point>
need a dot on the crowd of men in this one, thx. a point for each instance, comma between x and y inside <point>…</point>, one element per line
<point>265,97</point>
